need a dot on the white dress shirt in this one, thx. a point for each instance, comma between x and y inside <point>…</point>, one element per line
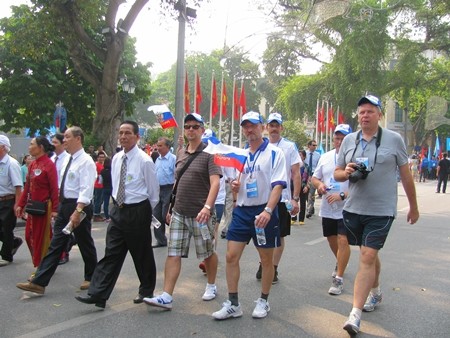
<point>80,178</point>
<point>141,180</point>
<point>59,164</point>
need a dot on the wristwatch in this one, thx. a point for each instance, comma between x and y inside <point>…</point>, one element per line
<point>268,210</point>
<point>296,199</point>
<point>79,210</point>
<point>342,196</point>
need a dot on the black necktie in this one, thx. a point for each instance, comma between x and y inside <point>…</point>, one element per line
<point>61,188</point>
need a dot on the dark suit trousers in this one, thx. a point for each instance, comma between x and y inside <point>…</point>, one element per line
<point>7,224</point>
<point>59,242</point>
<point>160,212</point>
<point>128,230</point>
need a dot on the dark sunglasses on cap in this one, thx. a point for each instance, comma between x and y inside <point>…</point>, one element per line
<point>195,126</point>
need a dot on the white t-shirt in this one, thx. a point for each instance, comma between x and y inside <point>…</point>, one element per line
<point>325,172</point>
<point>292,157</point>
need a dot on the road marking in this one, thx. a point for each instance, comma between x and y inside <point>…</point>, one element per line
<point>316,241</point>
<point>78,321</point>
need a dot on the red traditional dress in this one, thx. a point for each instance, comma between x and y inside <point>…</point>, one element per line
<point>41,185</point>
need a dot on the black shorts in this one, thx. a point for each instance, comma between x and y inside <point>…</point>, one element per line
<point>369,231</point>
<point>285,220</point>
<point>333,227</point>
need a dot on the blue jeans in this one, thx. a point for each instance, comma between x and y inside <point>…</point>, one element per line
<point>106,196</point>
<point>98,200</point>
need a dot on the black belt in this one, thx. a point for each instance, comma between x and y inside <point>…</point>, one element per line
<point>7,197</point>
<point>166,186</point>
<point>69,200</point>
<point>124,205</point>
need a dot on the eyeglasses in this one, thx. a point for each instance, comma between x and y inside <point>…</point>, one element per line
<point>314,145</point>
<point>195,126</point>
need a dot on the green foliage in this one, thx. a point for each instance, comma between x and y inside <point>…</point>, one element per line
<point>294,130</point>
<point>154,134</point>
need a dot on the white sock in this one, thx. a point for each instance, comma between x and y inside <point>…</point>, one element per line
<point>339,277</point>
<point>210,285</point>
<point>166,297</point>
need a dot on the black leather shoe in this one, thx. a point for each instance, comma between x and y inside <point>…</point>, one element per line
<point>140,298</point>
<point>101,303</point>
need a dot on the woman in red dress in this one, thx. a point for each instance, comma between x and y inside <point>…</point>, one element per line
<point>41,185</point>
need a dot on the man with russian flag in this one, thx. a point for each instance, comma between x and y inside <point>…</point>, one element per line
<point>257,189</point>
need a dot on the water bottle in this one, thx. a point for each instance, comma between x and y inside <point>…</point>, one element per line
<point>156,224</point>
<point>69,226</point>
<point>260,236</point>
<point>288,205</point>
<point>204,230</point>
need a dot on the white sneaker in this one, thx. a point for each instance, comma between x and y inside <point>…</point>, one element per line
<point>352,324</point>
<point>210,292</point>
<point>337,285</point>
<point>158,301</point>
<point>261,309</point>
<point>228,311</point>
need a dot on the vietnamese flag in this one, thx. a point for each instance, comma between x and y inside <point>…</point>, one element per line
<point>341,118</point>
<point>224,99</point>
<point>215,104</point>
<point>198,94</point>
<point>242,99</point>
<point>235,102</point>
<point>186,95</point>
<point>321,120</point>
<point>331,123</point>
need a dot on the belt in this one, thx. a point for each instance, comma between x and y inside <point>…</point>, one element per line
<point>7,197</point>
<point>69,200</point>
<point>166,186</point>
<point>125,206</point>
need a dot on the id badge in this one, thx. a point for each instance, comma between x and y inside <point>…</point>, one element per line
<point>334,186</point>
<point>252,188</point>
<point>364,160</point>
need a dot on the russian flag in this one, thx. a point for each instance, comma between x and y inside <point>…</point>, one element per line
<point>225,155</point>
<point>164,116</point>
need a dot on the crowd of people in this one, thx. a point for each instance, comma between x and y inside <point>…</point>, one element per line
<point>62,186</point>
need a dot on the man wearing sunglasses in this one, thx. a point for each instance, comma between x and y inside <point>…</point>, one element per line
<point>371,205</point>
<point>312,158</point>
<point>194,204</point>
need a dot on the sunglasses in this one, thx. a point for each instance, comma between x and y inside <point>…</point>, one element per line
<point>195,126</point>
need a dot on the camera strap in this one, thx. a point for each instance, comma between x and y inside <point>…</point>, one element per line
<point>377,144</point>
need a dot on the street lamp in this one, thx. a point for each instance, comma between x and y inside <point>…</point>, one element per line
<point>127,89</point>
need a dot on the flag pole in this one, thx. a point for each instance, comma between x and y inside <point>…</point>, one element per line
<point>240,114</point>
<point>331,134</point>
<point>221,109</point>
<point>321,129</point>
<point>317,121</point>
<point>232,112</point>
<point>211,102</point>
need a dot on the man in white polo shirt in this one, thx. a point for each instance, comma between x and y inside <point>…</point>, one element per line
<point>258,191</point>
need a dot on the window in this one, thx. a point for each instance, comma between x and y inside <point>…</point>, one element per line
<point>398,113</point>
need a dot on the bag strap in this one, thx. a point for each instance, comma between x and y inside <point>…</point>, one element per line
<point>189,161</point>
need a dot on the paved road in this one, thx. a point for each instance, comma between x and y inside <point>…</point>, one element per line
<point>415,281</point>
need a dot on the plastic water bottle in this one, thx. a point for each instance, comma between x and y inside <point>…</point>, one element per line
<point>260,236</point>
<point>204,230</point>
<point>69,226</point>
<point>156,224</point>
<point>288,205</point>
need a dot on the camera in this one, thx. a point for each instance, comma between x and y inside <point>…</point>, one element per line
<point>360,172</point>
